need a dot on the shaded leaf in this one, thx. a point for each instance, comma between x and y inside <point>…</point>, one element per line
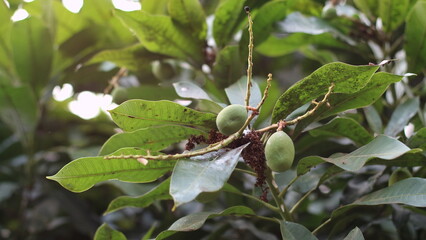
<point>347,79</point>
<point>156,6</point>
<point>134,58</point>
<point>381,147</point>
<point>401,116</point>
<point>135,114</point>
<point>228,67</point>
<point>83,173</point>
<point>392,13</point>
<point>195,221</point>
<point>161,192</point>
<point>202,174</point>
<point>346,127</point>
<point>158,34</point>
<point>105,232</point>
<point>152,138</point>
<point>418,139</point>
<point>369,7</point>
<point>410,191</point>
<point>295,231</point>
<point>190,90</point>
<point>373,119</point>
<point>355,234</point>
<point>18,109</point>
<point>415,40</point>
<point>32,51</point>
<point>190,14</point>
<point>237,92</point>
<point>228,17</point>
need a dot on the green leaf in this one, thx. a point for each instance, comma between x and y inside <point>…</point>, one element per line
<point>355,234</point>
<point>369,7</point>
<point>32,51</point>
<point>237,92</point>
<point>418,139</point>
<point>347,79</point>
<point>346,127</point>
<point>373,118</point>
<point>135,58</point>
<point>152,138</point>
<point>105,232</point>
<point>410,191</point>
<point>275,46</point>
<point>155,6</point>
<point>401,116</point>
<point>135,114</point>
<point>83,173</point>
<point>18,109</point>
<point>195,221</point>
<point>264,22</point>
<point>190,90</point>
<point>160,35</point>
<point>190,14</point>
<point>228,17</point>
<point>295,231</point>
<point>206,173</point>
<point>381,147</point>
<point>150,231</point>
<point>392,13</point>
<point>228,67</point>
<point>145,92</point>
<point>161,192</point>
<point>415,37</point>
<point>341,102</point>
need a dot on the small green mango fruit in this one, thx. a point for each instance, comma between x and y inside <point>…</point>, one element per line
<point>231,119</point>
<point>163,70</point>
<point>398,175</point>
<point>279,152</point>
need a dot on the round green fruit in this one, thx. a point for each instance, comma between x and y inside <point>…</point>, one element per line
<point>398,175</point>
<point>163,70</point>
<point>231,119</point>
<point>279,152</point>
<point>119,95</point>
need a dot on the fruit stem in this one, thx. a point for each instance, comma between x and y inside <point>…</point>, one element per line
<point>284,191</point>
<point>249,58</point>
<point>282,209</point>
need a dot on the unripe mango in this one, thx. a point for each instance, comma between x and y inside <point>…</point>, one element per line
<point>398,175</point>
<point>279,152</point>
<point>231,119</point>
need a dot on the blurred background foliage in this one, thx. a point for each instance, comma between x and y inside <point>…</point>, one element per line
<point>60,69</point>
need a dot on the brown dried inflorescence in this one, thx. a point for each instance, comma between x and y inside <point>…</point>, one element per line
<point>253,154</point>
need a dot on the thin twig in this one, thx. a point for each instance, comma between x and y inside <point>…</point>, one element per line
<point>321,226</point>
<point>283,192</point>
<point>249,58</point>
<point>264,218</point>
<point>301,200</point>
<point>113,83</point>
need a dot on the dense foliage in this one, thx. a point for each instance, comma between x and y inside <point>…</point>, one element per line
<point>343,79</point>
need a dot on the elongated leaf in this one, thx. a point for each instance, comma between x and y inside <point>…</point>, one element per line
<point>410,191</point>
<point>401,116</point>
<point>192,177</point>
<point>158,34</point>
<point>237,92</point>
<point>152,138</point>
<point>190,14</point>
<point>190,90</point>
<point>32,51</point>
<point>228,16</point>
<point>342,102</point>
<point>134,58</point>
<point>373,119</point>
<point>18,109</point>
<point>381,147</point>
<point>415,40</point>
<point>83,173</point>
<point>347,79</point>
<point>195,221</point>
<point>161,192</point>
<point>369,7</point>
<point>228,67</point>
<point>355,234</point>
<point>392,13</point>
<point>135,114</point>
<point>105,232</point>
<point>346,127</point>
<point>295,231</point>
<point>418,139</point>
